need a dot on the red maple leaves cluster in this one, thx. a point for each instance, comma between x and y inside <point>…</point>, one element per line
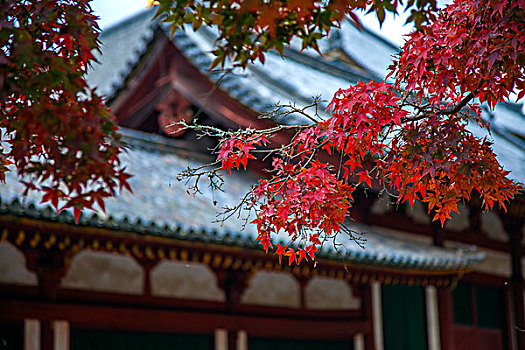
<point>410,136</point>
<point>304,202</point>
<point>62,139</point>
<point>473,47</point>
<point>235,150</point>
<point>473,53</point>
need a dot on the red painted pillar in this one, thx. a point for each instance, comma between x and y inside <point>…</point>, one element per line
<point>446,319</point>
<point>147,266</point>
<point>517,286</point>
<point>365,292</point>
<point>49,266</point>
<point>47,335</point>
<point>303,281</point>
<point>513,224</point>
<point>232,340</point>
<point>234,284</point>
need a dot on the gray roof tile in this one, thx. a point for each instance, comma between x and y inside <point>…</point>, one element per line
<point>161,206</point>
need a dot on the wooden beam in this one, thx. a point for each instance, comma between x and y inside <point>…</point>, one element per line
<point>88,316</point>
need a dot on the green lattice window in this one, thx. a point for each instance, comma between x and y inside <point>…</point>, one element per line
<point>462,299</point>
<point>404,317</point>
<point>479,306</point>
<point>291,344</point>
<point>11,337</point>
<point>108,340</point>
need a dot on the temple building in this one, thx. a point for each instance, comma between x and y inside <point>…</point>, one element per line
<point>159,271</point>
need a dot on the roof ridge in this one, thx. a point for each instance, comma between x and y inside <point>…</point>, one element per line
<point>337,44</point>
<point>515,107</point>
<point>234,78</point>
<point>376,35</point>
<point>132,64</point>
<point>127,21</point>
<point>329,67</point>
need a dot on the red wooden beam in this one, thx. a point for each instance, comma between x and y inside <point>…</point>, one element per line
<point>77,296</point>
<point>89,316</point>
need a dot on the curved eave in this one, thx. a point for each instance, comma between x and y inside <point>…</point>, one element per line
<point>144,232</point>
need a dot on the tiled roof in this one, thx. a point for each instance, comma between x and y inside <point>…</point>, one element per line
<point>365,47</point>
<point>160,206</point>
<point>295,79</point>
<point>121,48</point>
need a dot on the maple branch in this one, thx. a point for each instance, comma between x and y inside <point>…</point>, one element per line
<point>455,109</point>
<point>244,203</point>
<point>284,110</point>
<point>449,111</point>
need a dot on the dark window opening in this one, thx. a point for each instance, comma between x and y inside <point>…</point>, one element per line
<point>404,317</point>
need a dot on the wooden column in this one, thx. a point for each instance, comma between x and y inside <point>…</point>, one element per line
<point>377,315</point>
<point>365,293</point>
<point>50,267</point>
<point>242,340</point>
<point>363,202</point>
<point>515,230</point>
<point>232,340</point>
<point>221,339</point>
<point>303,281</point>
<point>446,318</point>
<point>147,266</point>
<point>61,335</point>
<point>48,336</point>
<point>32,339</point>
<point>55,335</point>
<point>233,283</point>
<point>432,318</point>
<point>443,297</point>
<point>359,341</point>
<point>475,215</point>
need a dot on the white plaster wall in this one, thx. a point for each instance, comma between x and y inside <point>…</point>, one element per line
<point>104,272</point>
<point>185,280</point>
<point>495,263</point>
<point>330,293</point>
<point>273,289</point>
<point>458,221</point>
<point>382,204</point>
<point>412,237</point>
<point>492,226</point>
<point>418,213</point>
<point>13,268</point>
